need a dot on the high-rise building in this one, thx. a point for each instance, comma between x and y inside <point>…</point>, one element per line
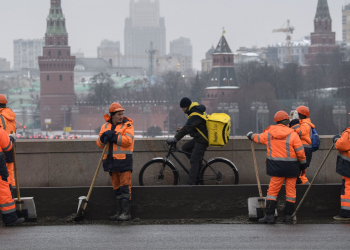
<point>322,39</point>
<point>110,51</point>
<point>56,71</point>
<point>4,65</point>
<point>181,46</point>
<point>143,27</point>
<point>346,23</point>
<point>26,53</point>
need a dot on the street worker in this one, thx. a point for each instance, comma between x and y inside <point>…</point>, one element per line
<point>7,121</point>
<point>285,160</point>
<point>303,126</point>
<point>7,204</point>
<point>194,127</point>
<point>342,143</point>
<point>118,161</point>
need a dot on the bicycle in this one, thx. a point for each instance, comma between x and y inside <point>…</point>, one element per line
<point>162,171</point>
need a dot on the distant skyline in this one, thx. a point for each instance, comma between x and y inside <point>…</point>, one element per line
<point>247,22</point>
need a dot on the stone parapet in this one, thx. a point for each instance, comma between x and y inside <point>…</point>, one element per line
<point>69,163</point>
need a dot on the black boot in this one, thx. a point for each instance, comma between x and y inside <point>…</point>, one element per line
<point>288,211</point>
<point>119,211</point>
<point>270,213</point>
<point>16,222</point>
<point>125,211</point>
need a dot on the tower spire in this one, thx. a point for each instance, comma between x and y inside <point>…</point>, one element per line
<point>322,10</point>
<point>56,22</point>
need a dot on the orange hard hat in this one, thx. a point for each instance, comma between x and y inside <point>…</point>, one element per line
<point>280,116</point>
<point>303,110</point>
<point>3,99</point>
<point>115,107</point>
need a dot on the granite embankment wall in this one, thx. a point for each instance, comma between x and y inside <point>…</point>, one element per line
<point>72,163</point>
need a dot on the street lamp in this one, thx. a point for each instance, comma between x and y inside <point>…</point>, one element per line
<point>46,108</point>
<point>339,115</point>
<point>145,109</point>
<point>64,108</point>
<point>234,114</point>
<point>260,108</point>
<point>90,129</point>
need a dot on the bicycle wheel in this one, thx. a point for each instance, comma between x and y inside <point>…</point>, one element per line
<point>219,171</point>
<point>157,173</point>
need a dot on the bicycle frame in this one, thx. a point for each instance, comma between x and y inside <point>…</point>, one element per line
<point>171,153</point>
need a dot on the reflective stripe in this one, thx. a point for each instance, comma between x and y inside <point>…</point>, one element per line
<point>269,142</point>
<point>344,157</point>
<point>290,198</point>
<point>122,126</point>
<point>8,146</point>
<point>99,141</point>
<point>3,122</point>
<point>121,152</point>
<point>303,162</point>
<point>307,183</point>
<point>9,211</point>
<point>287,146</point>
<point>106,125</point>
<point>126,195</point>
<point>297,126</point>
<point>345,207</point>
<point>345,200</point>
<point>310,134</point>
<point>271,197</point>
<point>8,204</point>
<point>120,139</point>
<point>307,146</point>
<point>130,136</point>
<point>281,158</point>
<point>299,149</point>
<point>300,133</point>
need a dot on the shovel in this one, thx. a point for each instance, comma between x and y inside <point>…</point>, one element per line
<point>25,207</point>
<point>307,190</point>
<point>257,176</point>
<point>83,201</point>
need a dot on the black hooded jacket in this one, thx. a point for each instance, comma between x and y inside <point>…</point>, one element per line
<point>194,122</point>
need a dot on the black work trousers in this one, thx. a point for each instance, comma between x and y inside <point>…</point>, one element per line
<point>197,151</point>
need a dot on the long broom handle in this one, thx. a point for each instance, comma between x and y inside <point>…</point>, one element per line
<point>307,190</point>
<point>257,174</point>
<point>96,172</point>
<point>16,172</point>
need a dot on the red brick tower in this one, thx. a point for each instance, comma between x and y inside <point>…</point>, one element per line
<point>56,71</point>
<point>322,39</point>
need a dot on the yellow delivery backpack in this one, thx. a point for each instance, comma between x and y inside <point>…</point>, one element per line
<point>218,126</point>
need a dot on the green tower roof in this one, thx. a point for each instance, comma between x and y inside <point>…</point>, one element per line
<point>56,22</point>
<point>322,10</point>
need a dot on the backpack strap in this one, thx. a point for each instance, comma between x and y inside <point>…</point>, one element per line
<point>204,116</point>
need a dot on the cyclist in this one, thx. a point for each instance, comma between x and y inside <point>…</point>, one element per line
<point>198,145</point>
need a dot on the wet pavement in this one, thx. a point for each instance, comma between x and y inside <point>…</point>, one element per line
<point>190,236</point>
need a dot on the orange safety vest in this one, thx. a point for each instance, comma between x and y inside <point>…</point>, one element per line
<point>343,159</point>
<point>123,149</point>
<point>284,150</point>
<point>304,129</point>
<point>7,120</point>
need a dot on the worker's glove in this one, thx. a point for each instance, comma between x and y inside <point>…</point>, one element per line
<point>335,138</point>
<point>107,136</point>
<point>12,137</point>
<point>303,172</point>
<point>172,140</point>
<point>250,135</point>
<point>303,166</point>
<point>293,122</point>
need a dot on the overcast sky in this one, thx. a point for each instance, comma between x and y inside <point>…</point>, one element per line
<point>247,22</point>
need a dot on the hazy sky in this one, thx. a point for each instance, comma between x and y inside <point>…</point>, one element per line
<point>247,22</point>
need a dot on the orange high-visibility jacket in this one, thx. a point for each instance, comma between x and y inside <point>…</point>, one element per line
<point>304,129</point>
<point>121,151</point>
<point>343,159</point>
<point>7,120</point>
<point>5,146</point>
<point>285,151</point>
